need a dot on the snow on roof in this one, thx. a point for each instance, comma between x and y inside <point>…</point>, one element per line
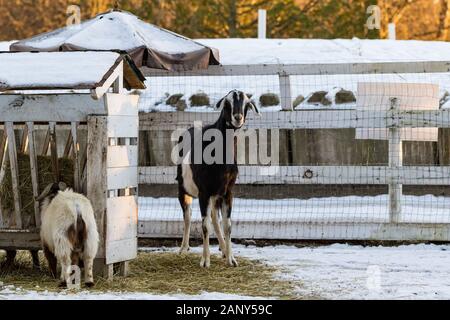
<point>115,31</point>
<point>4,45</point>
<point>82,70</point>
<point>292,51</point>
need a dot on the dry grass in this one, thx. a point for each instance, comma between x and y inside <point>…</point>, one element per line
<point>167,273</point>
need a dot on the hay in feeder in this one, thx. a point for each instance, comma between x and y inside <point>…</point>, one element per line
<point>45,177</point>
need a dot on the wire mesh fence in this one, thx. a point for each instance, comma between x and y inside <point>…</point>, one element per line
<point>348,151</point>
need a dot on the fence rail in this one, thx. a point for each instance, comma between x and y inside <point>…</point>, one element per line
<point>308,119</point>
<point>365,175</point>
<point>309,69</point>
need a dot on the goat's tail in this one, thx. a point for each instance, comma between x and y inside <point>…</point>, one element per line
<point>78,233</point>
<point>81,229</point>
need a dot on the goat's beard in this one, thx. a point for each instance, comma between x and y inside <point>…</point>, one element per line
<point>237,125</point>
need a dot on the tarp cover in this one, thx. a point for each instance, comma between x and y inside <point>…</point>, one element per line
<point>147,44</point>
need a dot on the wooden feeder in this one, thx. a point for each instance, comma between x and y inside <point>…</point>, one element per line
<point>72,105</point>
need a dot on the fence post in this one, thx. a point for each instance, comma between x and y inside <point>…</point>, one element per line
<point>285,92</point>
<point>262,24</point>
<point>97,185</point>
<point>392,33</point>
<point>395,161</point>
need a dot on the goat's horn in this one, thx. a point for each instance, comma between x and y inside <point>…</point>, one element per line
<point>62,186</point>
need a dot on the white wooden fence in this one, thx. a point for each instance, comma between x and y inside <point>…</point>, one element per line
<point>393,175</point>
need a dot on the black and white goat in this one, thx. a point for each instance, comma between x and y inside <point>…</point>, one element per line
<point>68,232</point>
<point>213,183</point>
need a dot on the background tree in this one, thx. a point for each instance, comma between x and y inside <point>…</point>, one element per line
<point>415,19</point>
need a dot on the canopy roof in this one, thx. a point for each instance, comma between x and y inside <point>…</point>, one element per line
<point>64,70</point>
<point>147,44</point>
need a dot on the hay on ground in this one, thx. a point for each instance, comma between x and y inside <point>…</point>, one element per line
<point>167,273</point>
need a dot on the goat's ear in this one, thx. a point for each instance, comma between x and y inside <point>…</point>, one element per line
<point>45,192</point>
<point>251,105</point>
<point>220,105</point>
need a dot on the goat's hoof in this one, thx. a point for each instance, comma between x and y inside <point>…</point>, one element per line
<point>184,250</point>
<point>90,284</point>
<point>232,262</point>
<point>205,263</point>
<point>62,285</point>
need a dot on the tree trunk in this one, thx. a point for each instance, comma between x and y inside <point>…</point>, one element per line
<point>232,19</point>
<point>442,32</point>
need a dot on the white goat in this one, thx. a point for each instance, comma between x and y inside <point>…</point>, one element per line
<point>68,231</point>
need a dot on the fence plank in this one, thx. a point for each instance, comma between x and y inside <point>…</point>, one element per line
<point>371,175</point>
<point>12,148</point>
<point>285,92</point>
<point>3,148</point>
<point>309,69</point>
<point>395,161</point>
<point>34,172</point>
<point>295,230</point>
<point>76,155</point>
<point>97,174</point>
<point>46,144</point>
<point>309,119</point>
<point>52,107</point>
<point>68,145</point>
<point>24,141</point>
<point>54,151</point>
<point>20,240</point>
<point>121,178</point>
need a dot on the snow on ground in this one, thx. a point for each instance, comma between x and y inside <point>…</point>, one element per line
<point>298,51</point>
<point>329,272</point>
<point>415,209</point>
<point>12,293</point>
<point>354,272</point>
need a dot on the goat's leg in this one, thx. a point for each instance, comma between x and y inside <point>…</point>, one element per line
<point>52,262</point>
<point>205,209</point>
<point>35,257</point>
<point>186,205</point>
<point>10,257</point>
<point>66,270</point>
<point>215,207</point>
<point>88,271</point>
<point>226,219</point>
<point>63,252</point>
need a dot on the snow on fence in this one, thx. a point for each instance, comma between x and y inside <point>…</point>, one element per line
<point>335,179</point>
